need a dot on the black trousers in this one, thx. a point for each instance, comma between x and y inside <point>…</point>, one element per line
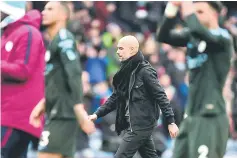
<point>140,141</point>
<point>14,142</point>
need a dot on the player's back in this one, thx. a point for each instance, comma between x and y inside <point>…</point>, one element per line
<point>209,64</point>
<point>61,51</point>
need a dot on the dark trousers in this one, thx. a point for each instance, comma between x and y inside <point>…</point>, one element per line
<point>14,142</point>
<point>140,141</point>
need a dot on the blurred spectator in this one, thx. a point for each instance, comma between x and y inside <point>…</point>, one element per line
<point>170,90</point>
<point>177,66</point>
<point>156,64</point>
<point>102,92</point>
<point>77,29</point>
<point>109,39</point>
<point>82,137</point>
<point>96,65</point>
<point>29,6</point>
<point>112,35</point>
<point>231,25</point>
<point>150,46</point>
<point>182,91</point>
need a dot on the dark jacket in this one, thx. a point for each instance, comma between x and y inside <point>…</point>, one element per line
<point>146,98</point>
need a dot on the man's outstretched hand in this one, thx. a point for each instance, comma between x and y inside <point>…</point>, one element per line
<point>92,117</point>
<point>173,130</point>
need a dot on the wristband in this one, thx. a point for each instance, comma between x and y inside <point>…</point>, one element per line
<point>171,10</point>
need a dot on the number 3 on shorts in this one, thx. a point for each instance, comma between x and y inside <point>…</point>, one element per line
<point>44,140</point>
<point>203,151</point>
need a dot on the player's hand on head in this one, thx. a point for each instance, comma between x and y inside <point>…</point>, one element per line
<point>173,130</point>
<point>92,117</point>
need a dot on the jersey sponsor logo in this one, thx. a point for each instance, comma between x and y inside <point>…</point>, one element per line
<point>47,55</point>
<point>197,61</point>
<point>202,46</point>
<point>71,55</point>
<point>66,44</point>
<point>9,46</point>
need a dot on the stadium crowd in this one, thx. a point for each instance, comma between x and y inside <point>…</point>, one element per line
<point>97,26</point>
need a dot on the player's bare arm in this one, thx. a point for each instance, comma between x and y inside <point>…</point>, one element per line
<point>166,31</point>
<point>36,113</point>
<point>82,117</point>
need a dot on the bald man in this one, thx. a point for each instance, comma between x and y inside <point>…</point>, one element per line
<point>138,98</point>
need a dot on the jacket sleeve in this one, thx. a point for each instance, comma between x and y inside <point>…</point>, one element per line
<point>167,34</point>
<point>25,57</point>
<point>109,106</point>
<point>158,94</point>
<point>72,69</point>
<point>198,30</point>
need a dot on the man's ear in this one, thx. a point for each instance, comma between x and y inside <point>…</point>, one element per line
<point>132,50</point>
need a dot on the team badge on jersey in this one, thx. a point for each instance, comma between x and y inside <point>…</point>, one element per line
<point>202,46</point>
<point>9,46</point>
<point>198,61</point>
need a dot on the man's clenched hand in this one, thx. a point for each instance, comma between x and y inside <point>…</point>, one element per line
<point>173,130</point>
<point>92,117</point>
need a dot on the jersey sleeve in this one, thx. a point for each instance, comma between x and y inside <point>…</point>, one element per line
<point>71,65</point>
<point>167,34</point>
<point>219,37</point>
<point>25,58</point>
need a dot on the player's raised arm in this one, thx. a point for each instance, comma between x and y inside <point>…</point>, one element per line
<point>212,36</point>
<point>166,33</point>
